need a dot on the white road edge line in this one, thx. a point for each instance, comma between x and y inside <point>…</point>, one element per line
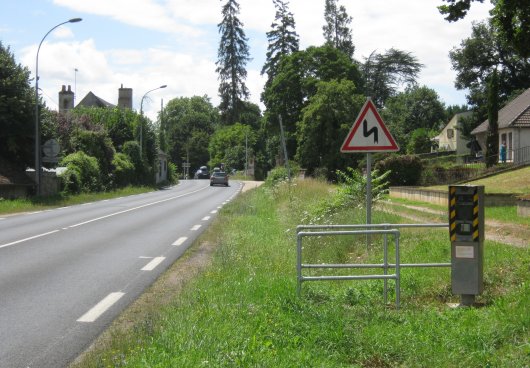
<point>213,212</point>
<point>180,241</point>
<point>100,308</point>
<point>195,228</point>
<point>205,218</point>
<point>154,262</point>
<point>30,238</point>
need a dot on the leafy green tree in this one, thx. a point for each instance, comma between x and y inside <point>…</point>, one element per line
<point>492,137</point>
<point>385,73</point>
<point>420,141</point>
<point>416,107</point>
<point>233,55</point>
<point>227,146</point>
<point>325,122</point>
<point>336,31</point>
<point>283,39</point>
<point>189,123</point>
<point>17,130</point>
<point>296,82</point>
<point>476,59</point>
<point>510,17</point>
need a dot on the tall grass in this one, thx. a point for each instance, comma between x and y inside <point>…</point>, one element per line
<point>243,310</point>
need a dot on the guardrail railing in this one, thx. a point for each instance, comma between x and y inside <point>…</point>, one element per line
<point>339,230</point>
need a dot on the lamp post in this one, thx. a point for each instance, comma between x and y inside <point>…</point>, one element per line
<point>37,125</point>
<point>142,113</point>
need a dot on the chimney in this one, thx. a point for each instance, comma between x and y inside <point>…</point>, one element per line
<point>66,99</point>
<point>125,96</point>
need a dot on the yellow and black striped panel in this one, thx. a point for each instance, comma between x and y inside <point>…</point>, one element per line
<point>452,213</point>
<point>475,216</point>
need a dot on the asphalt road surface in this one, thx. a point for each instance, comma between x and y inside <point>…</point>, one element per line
<point>66,273</point>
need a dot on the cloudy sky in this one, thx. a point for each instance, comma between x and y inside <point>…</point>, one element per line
<point>143,44</point>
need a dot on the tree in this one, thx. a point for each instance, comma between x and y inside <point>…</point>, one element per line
<point>189,123</point>
<point>511,19</point>
<point>416,107</point>
<point>420,141</point>
<point>476,59</point>
<point>283,39</point>
<point>384,73</point>
<point>17,131</point>
<point>296,82</point>
<point>336,31</point>
<point>233,55</point>
<point>228,146</point>
<point>492,137</point>
<point>325,122</point>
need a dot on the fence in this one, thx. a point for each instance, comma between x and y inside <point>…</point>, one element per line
<point>384,229</point>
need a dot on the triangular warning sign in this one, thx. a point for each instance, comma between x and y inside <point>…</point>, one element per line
<point>369,133</point>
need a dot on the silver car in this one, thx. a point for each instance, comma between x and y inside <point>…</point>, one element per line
<point>219,177</point>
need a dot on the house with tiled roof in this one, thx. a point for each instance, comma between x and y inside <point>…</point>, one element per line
<point>514,129</point>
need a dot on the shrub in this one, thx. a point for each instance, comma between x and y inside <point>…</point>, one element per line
<point>404,170</point>
<point>123,173</point>
<point>71,180</point>
<point>276,175</point>
<point>87,168</point>
<point>172,173</point>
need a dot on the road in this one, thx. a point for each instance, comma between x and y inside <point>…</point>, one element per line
<point>66,273</point>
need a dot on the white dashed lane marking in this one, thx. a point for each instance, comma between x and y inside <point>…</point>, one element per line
<point>100,308</point>
<point>180,241</point>
<point>154,262</point>
<point>195,228</point>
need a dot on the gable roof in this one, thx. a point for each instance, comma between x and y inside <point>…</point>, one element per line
<point>91,100</point>
<point>515,114</point>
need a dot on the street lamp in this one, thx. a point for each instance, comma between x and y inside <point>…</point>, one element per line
<point>142,113</point>
<point>37,125</point>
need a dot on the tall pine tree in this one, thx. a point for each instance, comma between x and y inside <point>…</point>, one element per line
<point>233,55</point>
<point>283,39</point>
<point>336,31</point>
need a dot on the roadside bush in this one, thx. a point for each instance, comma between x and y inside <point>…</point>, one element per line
<point>71,180</point>
<point>123,173</point>
<point>87,170</point>
<point>404,170</point>
<point>172,173</point>
<point>276,175</point>
<point>96,144</point>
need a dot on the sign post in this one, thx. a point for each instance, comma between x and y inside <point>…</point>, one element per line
<point>369,134</point>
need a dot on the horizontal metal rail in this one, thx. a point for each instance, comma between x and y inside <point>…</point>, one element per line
<point>385,277</point>
<point>316,230</point>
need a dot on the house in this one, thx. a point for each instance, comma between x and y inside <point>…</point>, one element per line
<point>514,129</point>
<point>450,138</point>
<point>66,99</point>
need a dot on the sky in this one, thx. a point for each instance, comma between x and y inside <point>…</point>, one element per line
<point>143,44</point>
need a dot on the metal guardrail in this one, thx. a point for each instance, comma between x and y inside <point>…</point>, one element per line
<point>384,229</point>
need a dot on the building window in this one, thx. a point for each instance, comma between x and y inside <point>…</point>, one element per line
<point>450,133</point>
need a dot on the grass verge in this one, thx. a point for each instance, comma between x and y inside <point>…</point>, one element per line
<point>242,310</point>
<point>10,206</point>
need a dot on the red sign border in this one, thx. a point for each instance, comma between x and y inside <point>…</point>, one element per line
<point>393,147</point>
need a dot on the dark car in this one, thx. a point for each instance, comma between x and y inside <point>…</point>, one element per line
<point>202,173</point>
<point>219,177</point>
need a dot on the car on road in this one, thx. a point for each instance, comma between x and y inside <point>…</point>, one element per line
<point>202,173</point>
<point>219,177</point>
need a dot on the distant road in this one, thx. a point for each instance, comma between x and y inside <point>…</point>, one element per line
<point>66,273</point>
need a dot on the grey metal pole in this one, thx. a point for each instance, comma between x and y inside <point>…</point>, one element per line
<point>284,148</point>
<point>142,114</point>
<point>368,195</point>
<point>38,168</point>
